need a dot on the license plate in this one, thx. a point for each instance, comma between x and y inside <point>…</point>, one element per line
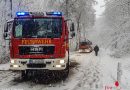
<point>32,61</point>
<point>36,49</point>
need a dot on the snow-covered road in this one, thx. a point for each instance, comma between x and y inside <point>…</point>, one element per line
<point>84,75</point>
<point>91,73</point>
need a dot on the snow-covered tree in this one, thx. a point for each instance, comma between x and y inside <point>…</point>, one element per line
<point>80,11</point>
<point>8,8</point>
<point>117,15</point>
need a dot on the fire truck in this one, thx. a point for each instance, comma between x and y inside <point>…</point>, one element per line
<point>39,43</point>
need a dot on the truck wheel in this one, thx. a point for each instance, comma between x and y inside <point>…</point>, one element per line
<point>24,75</point>
<point>66,72</point>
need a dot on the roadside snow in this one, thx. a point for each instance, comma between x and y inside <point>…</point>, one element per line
<point>4,66</point>
<point>103,35</point>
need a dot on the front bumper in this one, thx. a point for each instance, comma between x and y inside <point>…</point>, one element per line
<point>85,50</point>
<point>47,64</point>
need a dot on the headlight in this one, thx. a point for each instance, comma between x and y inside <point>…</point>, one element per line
<point>12,61</point>
<point>58,66</point>
<point>62,61</point>
<point>15,66</point>
<point>80,50</point>
<point>87,50</point>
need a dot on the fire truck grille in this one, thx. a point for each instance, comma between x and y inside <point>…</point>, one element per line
<point>36,65</point>
<point>31,50</point>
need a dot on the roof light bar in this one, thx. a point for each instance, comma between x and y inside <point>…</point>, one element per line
<point>22,13</point>
<point>38,13</point>
<point>54,13</point>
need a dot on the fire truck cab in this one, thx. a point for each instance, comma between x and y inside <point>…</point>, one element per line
<point>38,41</point>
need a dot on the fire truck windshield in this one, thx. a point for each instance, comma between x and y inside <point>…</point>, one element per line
<point>38,28</point>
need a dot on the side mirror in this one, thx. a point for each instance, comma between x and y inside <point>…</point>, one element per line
<point>72,29</point>
<point>7,29</point>
<point>5,35</point>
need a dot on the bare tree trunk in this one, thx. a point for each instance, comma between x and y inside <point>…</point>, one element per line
<point>11,8</point>
<point>67,2</point>
<point>78,32</point>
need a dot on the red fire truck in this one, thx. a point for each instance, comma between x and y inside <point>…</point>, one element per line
<point>39,42</point>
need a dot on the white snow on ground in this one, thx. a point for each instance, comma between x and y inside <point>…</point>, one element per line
<point>4,66</point>
<point>92,73</point>
<point>83,76</point>
<point>110,65</point>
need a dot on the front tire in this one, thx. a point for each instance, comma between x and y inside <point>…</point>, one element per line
<point>66,72</point>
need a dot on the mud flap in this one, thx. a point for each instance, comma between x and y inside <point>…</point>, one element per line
<point>24,74</point>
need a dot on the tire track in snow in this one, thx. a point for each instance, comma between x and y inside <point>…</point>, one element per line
<point>90,78</point>
<point>11,80</point>
<point>6,76</point>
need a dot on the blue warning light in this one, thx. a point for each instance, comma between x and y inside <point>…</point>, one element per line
<point>54,13</point>
<point>22,13</point>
